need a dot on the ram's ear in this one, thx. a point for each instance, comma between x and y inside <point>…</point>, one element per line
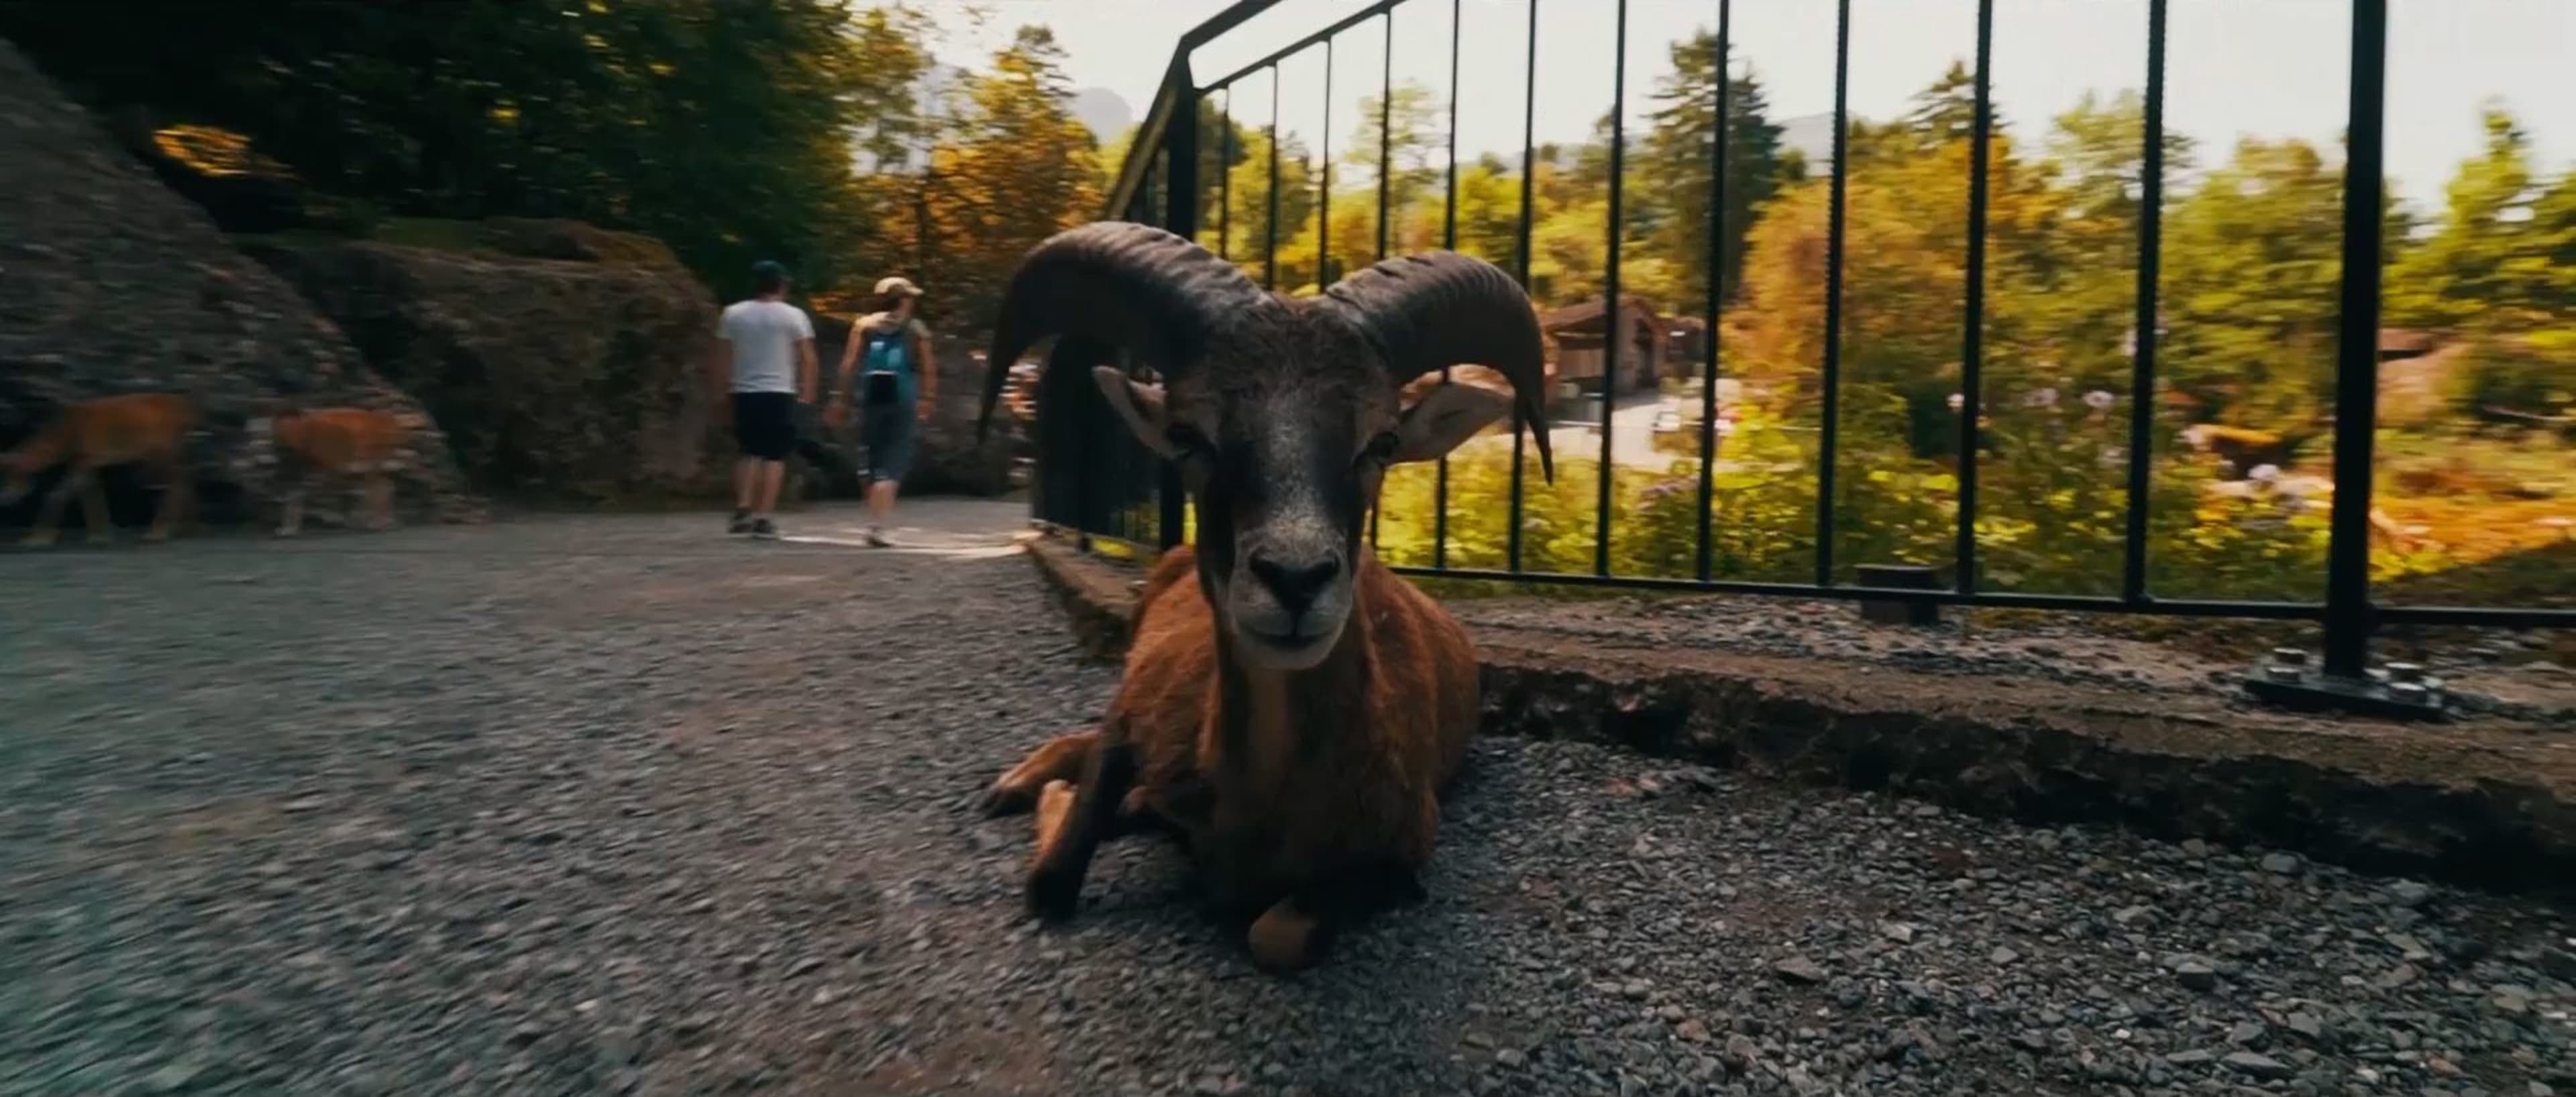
<point>1140,404</point>
<point>1442,415</point>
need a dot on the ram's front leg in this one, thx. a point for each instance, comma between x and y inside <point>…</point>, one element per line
<point>1079,825</point>
<point>1296,931</point>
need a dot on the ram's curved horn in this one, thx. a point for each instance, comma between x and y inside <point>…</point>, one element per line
<point>1128,285</point>
<point>1440,309</point>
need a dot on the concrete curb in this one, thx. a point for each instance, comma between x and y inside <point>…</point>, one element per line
<point>2490,806</point>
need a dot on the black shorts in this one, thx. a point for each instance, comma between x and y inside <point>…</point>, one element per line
<point>765,424</point>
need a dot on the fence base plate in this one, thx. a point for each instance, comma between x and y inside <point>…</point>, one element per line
<point>2314,691</point>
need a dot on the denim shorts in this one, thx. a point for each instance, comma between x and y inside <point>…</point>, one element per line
<point>889,431</point>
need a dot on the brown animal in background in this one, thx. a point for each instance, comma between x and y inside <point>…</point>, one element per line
<point>1290,707</point>
<point>347,442</point>
<point>149,429</point>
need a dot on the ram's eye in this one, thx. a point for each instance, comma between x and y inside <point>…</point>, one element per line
<point>1381,448</point>
<point>1187,439</point>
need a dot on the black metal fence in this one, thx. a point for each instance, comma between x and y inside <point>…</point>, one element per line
<point>1094,479</point>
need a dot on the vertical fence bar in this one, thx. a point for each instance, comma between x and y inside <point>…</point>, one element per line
<point>1529,175</point>
<point>1717,138</point>
<point>2142,347</point>
<point>1385,151</point>
<point>1270,229</point>
<point>2349,614</point>
<point>1385,115</point>
<point>1614,329</point>
<point>1181,218</point>
<point>1833,379</point>
<point>1225,177</point>
<point>1324,186</point>
<point>1972,340</point>
<point>1448,241</point>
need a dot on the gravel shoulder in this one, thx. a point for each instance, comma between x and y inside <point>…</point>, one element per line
<point>613,804</point>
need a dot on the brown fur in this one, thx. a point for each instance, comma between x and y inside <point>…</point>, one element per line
<point>149,429</point>
<point>1308,798</point>
<point>344,442</point>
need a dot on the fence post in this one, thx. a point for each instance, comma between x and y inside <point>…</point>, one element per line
<point>2349,615</point>
<point>1181,217</point>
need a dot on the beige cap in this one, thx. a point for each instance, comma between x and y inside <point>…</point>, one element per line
<point>897,284</point>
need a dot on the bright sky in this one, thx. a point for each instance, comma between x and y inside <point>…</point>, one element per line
<point>2264,68</point>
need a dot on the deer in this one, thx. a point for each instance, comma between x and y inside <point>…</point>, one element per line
<point>1289,709</point>
<point>148,429</point>
<point>345,442</point>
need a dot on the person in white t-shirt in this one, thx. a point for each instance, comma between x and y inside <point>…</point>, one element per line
<point>770,366</point>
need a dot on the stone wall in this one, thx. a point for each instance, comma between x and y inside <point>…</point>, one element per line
<point>557,379</point>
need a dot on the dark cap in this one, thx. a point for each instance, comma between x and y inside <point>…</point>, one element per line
<point>769,276</point>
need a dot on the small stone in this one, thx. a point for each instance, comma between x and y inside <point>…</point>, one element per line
<point>2196,975</point>
<point>2282,864</point>
<point>825,996</point>
<point>302,804</point>
<point>2512,999</point>
<point>2247,1034</point>
<point>1799,969</point>
<point>172,1078</point>
<point>1692,1031</point>
<point>2192,1058</point>
<point>2401,975</point>
<point>2258,1065</point>
<point>2409,893</point>
<point>1636,990</point>
<point>2031,1040</point>
<point>1509,1057</point>
<point>2133,915</point>
<point>2307,1025</point>
<point>2195,847</point>
<point>1898,932</point>
<point>2540,1089</point>
<point>803,966</point>
<point>1741,1050</point>
<point>2002,955</point>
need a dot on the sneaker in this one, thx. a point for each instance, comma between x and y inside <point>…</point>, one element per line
<point>763,529</point>
<point>877,539</point>
<point>741,522</point>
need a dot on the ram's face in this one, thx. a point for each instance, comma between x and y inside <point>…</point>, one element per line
<point>1283,443</point>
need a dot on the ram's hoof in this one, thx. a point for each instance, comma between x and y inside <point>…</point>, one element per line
<point>1285,940</point>
<point>1053,894</point>
<point>1001,800</point>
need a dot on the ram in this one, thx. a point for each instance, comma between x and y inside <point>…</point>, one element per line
<point>1290,708</point>
<point>150,429</point>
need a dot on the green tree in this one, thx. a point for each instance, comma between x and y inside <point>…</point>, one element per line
<point>617,114</point>
<point>1674,168</point>
<point>2252,261</point>
<point>2487,264</point>
<point>1014,168</point>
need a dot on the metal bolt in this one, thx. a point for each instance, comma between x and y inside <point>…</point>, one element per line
<point>2290,657</point>
<point>2405,672</point>
<point>2411,692</point>
<point>2282,673</point>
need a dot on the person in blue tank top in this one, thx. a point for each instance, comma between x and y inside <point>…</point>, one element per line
<point>888,368</point>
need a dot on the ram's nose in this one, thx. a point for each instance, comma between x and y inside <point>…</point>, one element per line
<point>1295,585</point>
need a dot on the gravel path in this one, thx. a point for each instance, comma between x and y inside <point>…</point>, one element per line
<point>612,804</point>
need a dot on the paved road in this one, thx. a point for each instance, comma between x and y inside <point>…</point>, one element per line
<point>618,805</point>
